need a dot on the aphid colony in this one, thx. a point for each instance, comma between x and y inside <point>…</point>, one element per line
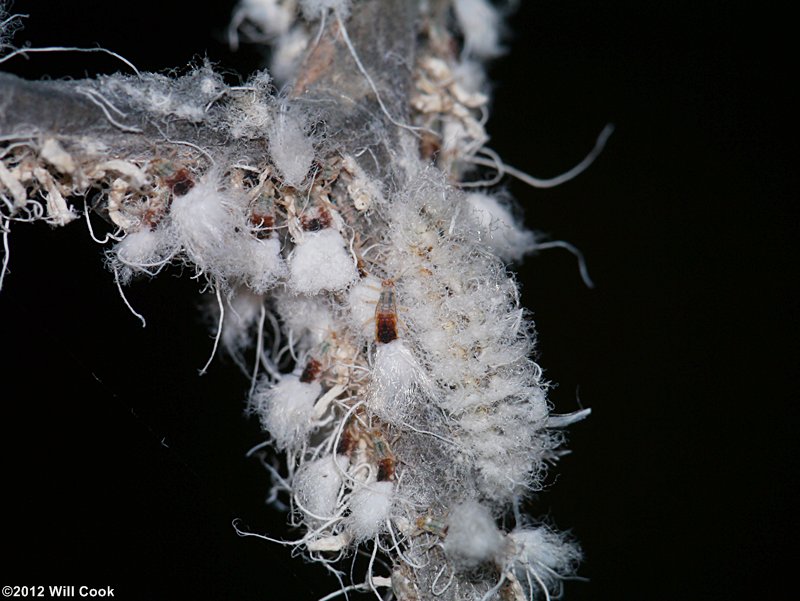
<point>412,390</point>
<point>414,394</point>
<point>401,386</point>
<point>389,355</point>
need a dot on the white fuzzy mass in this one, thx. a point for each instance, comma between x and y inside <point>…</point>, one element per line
<point>321,262</point>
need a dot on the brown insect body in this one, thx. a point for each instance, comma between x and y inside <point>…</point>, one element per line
<point>386,314</point>
<point>319,222</point>
<point>383,456</point>
<point>347,442</point>
<point>180,182</point>
<point>386,469</point>
<point>152,216</point>
<point>311,371</point>
<point>262,220</point>
<point>371,442</point>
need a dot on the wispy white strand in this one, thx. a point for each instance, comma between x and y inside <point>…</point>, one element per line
<point>582,268</point>
<point>125,299</point>
<point>369,80</point>
<point>95,99</point>
<point>259,349</point>
<point>25,51</point>
<point>552,182</point>
<point>218,335</point>
<point>6,229</point>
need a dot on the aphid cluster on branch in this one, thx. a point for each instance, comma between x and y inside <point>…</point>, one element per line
<point>409,439</point>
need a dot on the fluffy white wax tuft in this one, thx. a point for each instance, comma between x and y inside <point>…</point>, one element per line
<point>501,231</point>
<point>203,220</point>
<point>291,149</point>
<point>480,24</point>
<point>260,263</point>
<point>472,536</point>
<point>549,556</point>
<point>370,505</point>
<point>321,262</point>
<point>307,319</point>
<point>271,17</point>
<point>286,409</point>
<point>141,252</point>
<point>317,484</point>
<point>396,375</point>
<point>362,299</point>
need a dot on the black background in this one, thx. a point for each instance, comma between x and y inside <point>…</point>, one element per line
<point>122,467</point>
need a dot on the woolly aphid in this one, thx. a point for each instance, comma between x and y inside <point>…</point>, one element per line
<point>480,24</point>
<point>286,409</point>
<point>370,506</point>
<point>503,233</point>
<point>290,147</point>
<point>317,487</point>
<point>472,536</point>
<point>321,262</point>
